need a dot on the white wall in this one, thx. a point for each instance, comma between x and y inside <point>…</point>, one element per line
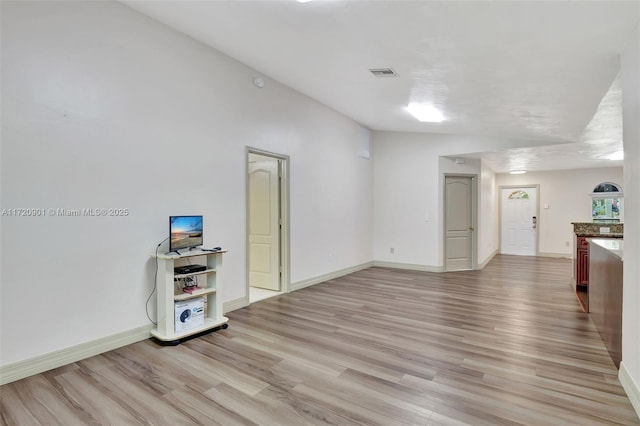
<point>630,369</point>
<point>567,194</point>
<point>488,239</point>
<point>406,200</point>
<point>104,107</point>
<point>407,186</point>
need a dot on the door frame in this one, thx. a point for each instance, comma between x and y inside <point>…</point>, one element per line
<point>474,219</point>
<point>283,169</point>
<point>500,188</point>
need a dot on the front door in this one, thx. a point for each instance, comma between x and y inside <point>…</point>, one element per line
<point>519,221</point>
<point>264,222</point>
<point>458,223</point>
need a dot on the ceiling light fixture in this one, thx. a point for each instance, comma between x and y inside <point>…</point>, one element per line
<point>303,1</point>
<point>616,156</point>
<point>517,172</point>
<point>425,113</point>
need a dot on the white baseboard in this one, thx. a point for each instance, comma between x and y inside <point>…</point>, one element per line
<point>488,259</point>
<point>558,255</point>
<point>630,387</point>
<point>410,266</point>
<point>331,275</point>
<point>234,304</point>
<point>21,369</point>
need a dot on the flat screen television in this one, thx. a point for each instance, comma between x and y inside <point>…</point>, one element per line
<point>185,232</point>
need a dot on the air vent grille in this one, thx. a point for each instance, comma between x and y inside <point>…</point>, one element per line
<point>383,72</point>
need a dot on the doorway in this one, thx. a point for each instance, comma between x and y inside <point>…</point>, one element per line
<point>519,220</point>
<point>267,239</point>
<point>460,195</point>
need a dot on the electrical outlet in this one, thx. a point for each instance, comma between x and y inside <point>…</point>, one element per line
<point>330,257</point>
<point>566,243</point>
<point>392,250</point>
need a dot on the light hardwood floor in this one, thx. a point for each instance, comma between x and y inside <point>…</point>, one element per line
<point>505,345</point>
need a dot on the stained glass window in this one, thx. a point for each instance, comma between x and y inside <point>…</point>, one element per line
<point>519,195</point>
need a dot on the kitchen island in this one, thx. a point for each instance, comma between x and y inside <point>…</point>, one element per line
<point>605,292</point>
<point>582,231</point>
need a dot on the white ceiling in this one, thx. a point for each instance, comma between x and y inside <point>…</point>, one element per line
<point>601,138</point>
<point>532,70</point>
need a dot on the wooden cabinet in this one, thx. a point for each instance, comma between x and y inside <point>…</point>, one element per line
<point>581,271</point>
<point>582,261</point>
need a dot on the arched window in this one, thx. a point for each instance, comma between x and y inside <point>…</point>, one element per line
<point>606,202</point>
<point>607,187</point>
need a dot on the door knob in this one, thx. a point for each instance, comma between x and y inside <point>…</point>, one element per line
<point>471,228</point>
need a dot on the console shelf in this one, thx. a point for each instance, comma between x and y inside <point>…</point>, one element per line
<point>198,293</point>
<point>169,293</point>
<point>193,274</point>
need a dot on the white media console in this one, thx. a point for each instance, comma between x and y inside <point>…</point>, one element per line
<point>169,295</point>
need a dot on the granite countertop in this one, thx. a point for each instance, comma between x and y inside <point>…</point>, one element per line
<point>613,246</point>
<point>591,229</point>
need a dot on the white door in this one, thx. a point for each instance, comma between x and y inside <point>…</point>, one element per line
<point>519,227</point>
<point>458,223</point>
<point>264,222</point>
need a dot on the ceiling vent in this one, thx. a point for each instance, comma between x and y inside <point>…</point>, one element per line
<point>383,72</point>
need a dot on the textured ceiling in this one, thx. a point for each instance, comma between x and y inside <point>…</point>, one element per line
<point>601,138</point>
<point>528,70</point>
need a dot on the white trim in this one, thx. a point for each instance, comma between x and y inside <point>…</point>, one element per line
<point>232,305</point>
<point>606,195</point>
<point>29,367</point>
<point>557,255</point>
<point>488,259</point>
<point>284,209</point>
<point>331,275</point>
<point>630,387</point>
<point>409,266</point>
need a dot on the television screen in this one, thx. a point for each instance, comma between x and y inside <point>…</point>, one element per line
<point>185,232</point>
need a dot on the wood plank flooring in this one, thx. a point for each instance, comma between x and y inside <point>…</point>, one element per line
<point>506,345</point>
